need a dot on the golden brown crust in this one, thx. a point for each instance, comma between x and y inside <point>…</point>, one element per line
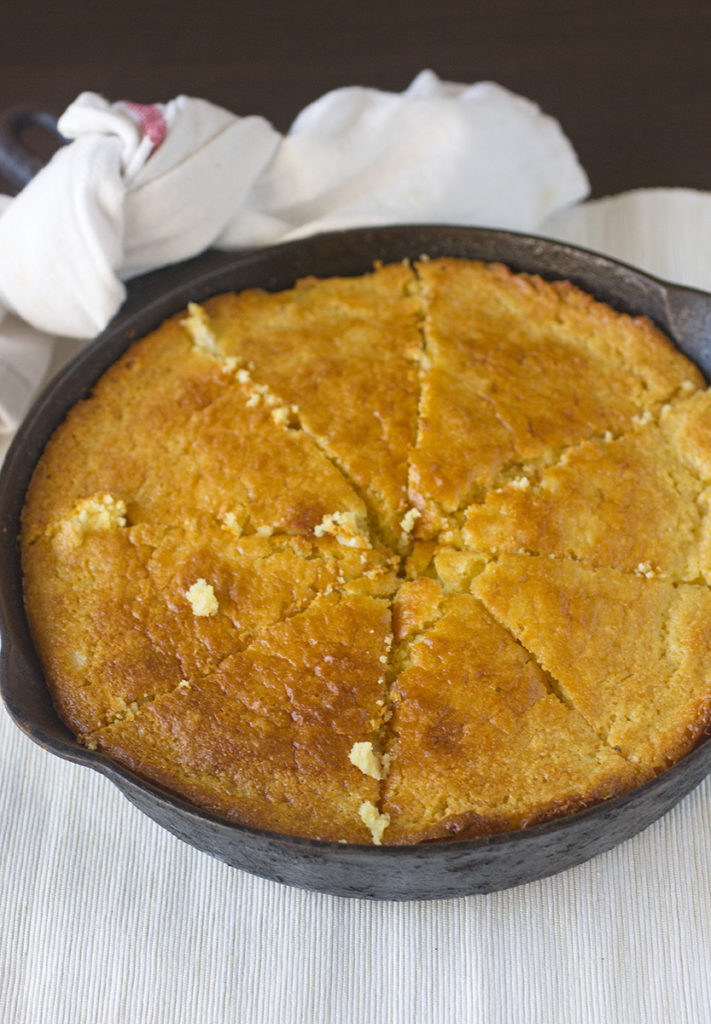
<point>265,738</point>
<point>481,742</point>
<point>629,503</point>
<point>370,325</point>
<point>394,558</point>
<point>517,369</point>
<point>631,654</point>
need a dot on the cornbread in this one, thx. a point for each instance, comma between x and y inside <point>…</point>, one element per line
<point>420,554</point>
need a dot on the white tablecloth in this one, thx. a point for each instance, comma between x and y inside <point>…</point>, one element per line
<point>106,918</point>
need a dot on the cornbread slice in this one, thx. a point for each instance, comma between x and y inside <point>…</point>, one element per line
<point>481,743</point>
<point>265,739</point>
<point>117,617</point>
<point>239,458</point>
<point>201,451</point>
<point>128,438</point>
<point>343,354</point>
<point>256,581</point>
<point>632,655</point>
<point>516,369</point>
<point>97,657</point>
<point>628,503</point>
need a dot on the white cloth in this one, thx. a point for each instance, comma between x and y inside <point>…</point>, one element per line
<point>665,231</point>
<point>106,917</point>
<point>142,187</point>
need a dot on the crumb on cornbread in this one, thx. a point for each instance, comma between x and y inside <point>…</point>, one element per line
<point>374,821</point>
<point>367,759</point>
<point>344,527</point>
<point>202,598</point>
<point>99,512</point>
<point>197,324</point>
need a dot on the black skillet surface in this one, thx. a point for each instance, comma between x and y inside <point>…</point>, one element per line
<point>433,870</point>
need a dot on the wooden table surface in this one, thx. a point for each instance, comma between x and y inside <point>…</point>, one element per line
<point>630,81</point>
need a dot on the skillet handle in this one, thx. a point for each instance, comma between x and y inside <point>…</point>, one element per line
<point>18,161</point>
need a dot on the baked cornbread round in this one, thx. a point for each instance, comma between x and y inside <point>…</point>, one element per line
<point>418,554</point>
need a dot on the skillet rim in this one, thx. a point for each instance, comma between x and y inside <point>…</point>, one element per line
<point>683,313</point>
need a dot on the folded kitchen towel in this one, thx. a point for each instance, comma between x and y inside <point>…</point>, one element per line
<point>139,187</point>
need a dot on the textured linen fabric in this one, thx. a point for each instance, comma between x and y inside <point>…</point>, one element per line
<point>107,918</point>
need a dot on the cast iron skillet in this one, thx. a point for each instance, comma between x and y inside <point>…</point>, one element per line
<point>433,870</point>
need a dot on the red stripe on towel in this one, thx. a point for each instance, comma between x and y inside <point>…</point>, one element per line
<point>150,120</point>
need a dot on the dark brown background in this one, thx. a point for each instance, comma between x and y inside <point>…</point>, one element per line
<point>629,81</point>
